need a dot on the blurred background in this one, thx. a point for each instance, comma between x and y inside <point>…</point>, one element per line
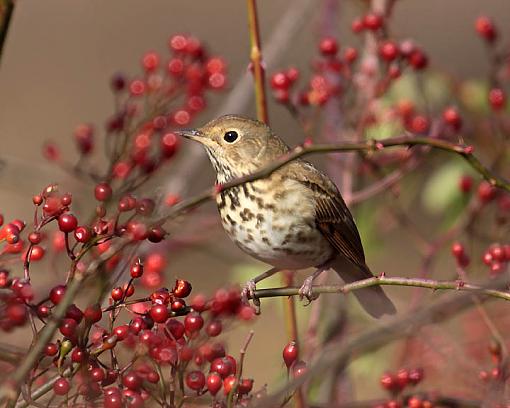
<point>55,73</point>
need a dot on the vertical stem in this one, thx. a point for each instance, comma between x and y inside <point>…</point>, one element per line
<point>292,329</point>
<point>6,9</point>
<point>256,62</point>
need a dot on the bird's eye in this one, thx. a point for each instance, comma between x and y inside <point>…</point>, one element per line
<point>230,136</point>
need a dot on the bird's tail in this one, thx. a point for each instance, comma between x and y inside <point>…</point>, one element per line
<point>372,299</point>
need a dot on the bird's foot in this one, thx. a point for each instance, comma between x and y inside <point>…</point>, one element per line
<point>248,292</point>
<point>306,290</point>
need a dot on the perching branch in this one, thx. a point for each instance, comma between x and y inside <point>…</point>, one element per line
<point>385,281</point>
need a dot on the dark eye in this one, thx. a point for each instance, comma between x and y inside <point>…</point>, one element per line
<point>230,136</point>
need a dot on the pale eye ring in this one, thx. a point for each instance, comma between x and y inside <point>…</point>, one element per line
<point>230,136</point>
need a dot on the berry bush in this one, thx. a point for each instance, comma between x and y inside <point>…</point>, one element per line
<point>426,159</point>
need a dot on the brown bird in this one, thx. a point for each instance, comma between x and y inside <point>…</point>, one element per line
<point>293,219</point>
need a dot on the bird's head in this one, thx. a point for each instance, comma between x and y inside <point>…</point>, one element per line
<point>237,145</point>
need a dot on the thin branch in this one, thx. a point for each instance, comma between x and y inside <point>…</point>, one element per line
<point>373,145</point>
<point>6,10</point>
<point>385,281</point>
<point>256,62</point>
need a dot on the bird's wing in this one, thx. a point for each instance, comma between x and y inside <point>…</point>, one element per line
<point>332,216</point>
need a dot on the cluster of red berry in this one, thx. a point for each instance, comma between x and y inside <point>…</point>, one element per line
<point>397,383</point>
<point>168,95</point>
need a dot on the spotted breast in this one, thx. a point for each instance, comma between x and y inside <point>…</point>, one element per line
<point>261,218</point>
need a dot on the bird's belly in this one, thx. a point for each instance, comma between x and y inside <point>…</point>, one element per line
<point>274,232</point>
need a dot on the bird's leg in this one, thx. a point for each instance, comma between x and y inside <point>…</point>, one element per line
<point>306,289</point>
<point>249,288</point>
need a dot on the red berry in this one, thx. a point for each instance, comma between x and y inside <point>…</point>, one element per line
<point>56,294</point>
<point>74,312</point>
<point>93,313</point>
<point>466,184</point>
<point>485,28</point>
<point>117,293</point>
<point>78,355</point>
<point>290,353</point>
<point>61,386</point>
<point>486,192</point>
<point>214,383</point>
<point>195,380</point>
<point>82,234</point>
<point>37,253</point>
<point>299,368</point>
<point>279,80</point>
<point>103,192</point>
<point>418,60</point>
<point>213,328</point>
<point>497,98</point>
<point>372,21</point>
<point>136,270</point>
<point>357,25</point>
<point>388,382</point>
<point>193,322</point>
<point>328,46</point>
<point>457,249</point>
<point>169,144</point>
<point>222,366</point>
<point>68,327</point>
<point>132,399</point>
<point>159,313</point>
<point>402,378</point>
<point>150,61</point>
<point>182,288</point>
<point>414,402</point>
<point>452,117</point>
<point>137,87</point>
<point>132,380</point>
<point>419,124</point>
<point>67,222</point>
<point>97,374</point>
<point>35,237</point>
<point>176,328</point>
<point>84,137</point>
<point>229,383</point>
<point>118,82</point>
<point>199,303</point>
<point>388,50</point>
<point>43,311</point>
<point>245,386</point>
<point>350,54</point>
<point>415,375</point>
<point>51,349</point>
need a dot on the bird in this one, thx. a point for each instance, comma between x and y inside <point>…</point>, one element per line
<point>293,219</point>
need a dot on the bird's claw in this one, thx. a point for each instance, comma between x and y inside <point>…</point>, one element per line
<point>248,292</point>
<point>306,290</point>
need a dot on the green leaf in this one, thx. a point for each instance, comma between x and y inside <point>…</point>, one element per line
<point>441,189</point>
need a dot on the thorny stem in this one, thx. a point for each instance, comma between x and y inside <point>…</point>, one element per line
<point>369,146</point>
<point>256,62</point>
<point>385,281</point>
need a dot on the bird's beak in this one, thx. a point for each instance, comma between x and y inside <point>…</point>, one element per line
<point>192,134</point>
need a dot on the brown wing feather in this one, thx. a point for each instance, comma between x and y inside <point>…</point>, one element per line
<point>332,217</point>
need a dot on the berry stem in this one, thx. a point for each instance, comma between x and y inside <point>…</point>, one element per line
<point>242,354</point>
<point>256,60</point>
